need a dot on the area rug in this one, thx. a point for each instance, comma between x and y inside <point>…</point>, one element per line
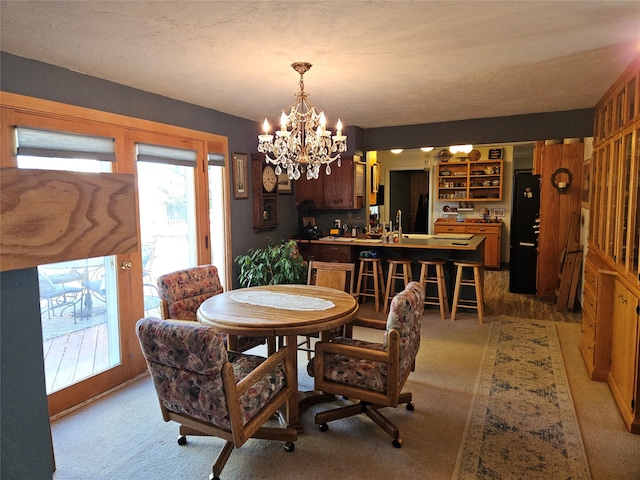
<point>522,424</point>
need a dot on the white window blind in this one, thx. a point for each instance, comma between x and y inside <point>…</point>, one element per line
<point>48,143</point>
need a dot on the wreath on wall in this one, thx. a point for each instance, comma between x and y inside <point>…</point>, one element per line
<point>558,172</point>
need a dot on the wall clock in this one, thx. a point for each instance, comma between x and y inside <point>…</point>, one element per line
<point>269,178</point>
<point>265,193</point>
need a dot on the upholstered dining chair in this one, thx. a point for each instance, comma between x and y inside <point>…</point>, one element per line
<point>183,291</point>
<point>372,375</point>
<point>336,275</point>
<point>211,391</point>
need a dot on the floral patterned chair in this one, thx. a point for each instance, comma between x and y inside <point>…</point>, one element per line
<point>211,391</point>
<point>372,375</point>
<point>181,293</point>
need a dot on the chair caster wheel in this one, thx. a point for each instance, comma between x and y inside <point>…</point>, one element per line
<point>182,440</point>
<point>397,442</point>
<point>289,447</point>
<point>324,427</point>
<point>410,407</point>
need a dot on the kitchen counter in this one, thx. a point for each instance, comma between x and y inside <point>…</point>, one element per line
<point>491,229</point>
<point>432,242</point>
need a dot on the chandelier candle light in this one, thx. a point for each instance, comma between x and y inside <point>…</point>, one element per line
<point>308,145</point>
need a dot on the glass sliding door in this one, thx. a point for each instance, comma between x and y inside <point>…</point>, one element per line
<point>166,182</point>
<point>217,217</point>
<point>78,299</point>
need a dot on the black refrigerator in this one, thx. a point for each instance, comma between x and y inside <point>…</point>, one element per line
<point>525,210</point>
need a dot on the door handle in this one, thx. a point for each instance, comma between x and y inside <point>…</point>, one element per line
<point>125,265</point>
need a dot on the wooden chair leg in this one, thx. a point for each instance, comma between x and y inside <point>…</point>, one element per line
<point>442,292</point>
<point>479,293</point>
<point>390,283</point>
<point>456,293</point>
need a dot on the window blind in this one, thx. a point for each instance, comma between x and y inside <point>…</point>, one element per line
<point>161,154</point>
<point>48,143</point>
<point>215,159</point>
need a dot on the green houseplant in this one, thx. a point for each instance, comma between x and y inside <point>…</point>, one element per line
<point>277,263</point>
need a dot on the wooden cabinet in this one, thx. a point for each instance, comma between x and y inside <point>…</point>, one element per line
<point>470,181</point>
<point>492,232</point>
<point>344,189</point>
<point>614,239</point>
<point>597,312</point>
<point>623,376</point>
<point>326,253</point>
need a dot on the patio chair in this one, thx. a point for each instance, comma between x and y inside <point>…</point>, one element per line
<point>183,291</point>
<point>372,375</point>
<point>211,391</point>
<point>58,295</point>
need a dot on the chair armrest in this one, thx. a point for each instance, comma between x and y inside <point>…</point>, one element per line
<point>370,323</point>
<point>352,351</point>
<point>272,361</point>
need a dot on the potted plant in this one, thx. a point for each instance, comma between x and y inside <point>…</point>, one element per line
<point>277,263</point>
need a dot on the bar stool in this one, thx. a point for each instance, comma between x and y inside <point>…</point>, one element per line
<point>475,281</point>
<point>370,268</point>
<point>393,276</point>
<point>438,279</point>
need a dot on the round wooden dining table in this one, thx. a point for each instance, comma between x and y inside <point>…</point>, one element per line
<point>275,311</point>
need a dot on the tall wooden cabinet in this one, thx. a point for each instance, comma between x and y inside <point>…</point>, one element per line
<point>614,245</point>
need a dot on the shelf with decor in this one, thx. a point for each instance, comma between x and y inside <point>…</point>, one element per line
<point>470,181</point>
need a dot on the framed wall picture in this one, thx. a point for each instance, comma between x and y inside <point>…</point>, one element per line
<point>499,212</point>
<point>240,169</point>
<point>285,186</point>
<point>586,183</point>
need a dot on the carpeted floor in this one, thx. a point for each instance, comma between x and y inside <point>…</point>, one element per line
<point>122,435</point>
<point>522,423</point>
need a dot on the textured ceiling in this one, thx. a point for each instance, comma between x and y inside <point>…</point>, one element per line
<point>375,63</point>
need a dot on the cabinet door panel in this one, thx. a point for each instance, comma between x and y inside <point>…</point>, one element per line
<point>624,348</point>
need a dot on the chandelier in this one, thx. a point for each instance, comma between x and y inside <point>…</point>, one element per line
<point>303,144</point>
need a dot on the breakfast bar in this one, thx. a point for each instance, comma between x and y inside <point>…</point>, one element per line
<point>449,247</point>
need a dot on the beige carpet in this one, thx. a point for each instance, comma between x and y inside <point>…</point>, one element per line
<point>122,436</point>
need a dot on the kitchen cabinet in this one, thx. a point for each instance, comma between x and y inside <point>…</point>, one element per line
<point>491,231</point>
<point>469,181</point>
<point>344,189</point>
<point>623,376</point>
<point>326,253</point>
<point>614,237</point>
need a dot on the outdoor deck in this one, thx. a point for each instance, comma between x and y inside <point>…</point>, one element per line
<point>73,356</point>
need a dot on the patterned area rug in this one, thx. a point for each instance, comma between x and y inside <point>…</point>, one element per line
<point>522,424</point>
